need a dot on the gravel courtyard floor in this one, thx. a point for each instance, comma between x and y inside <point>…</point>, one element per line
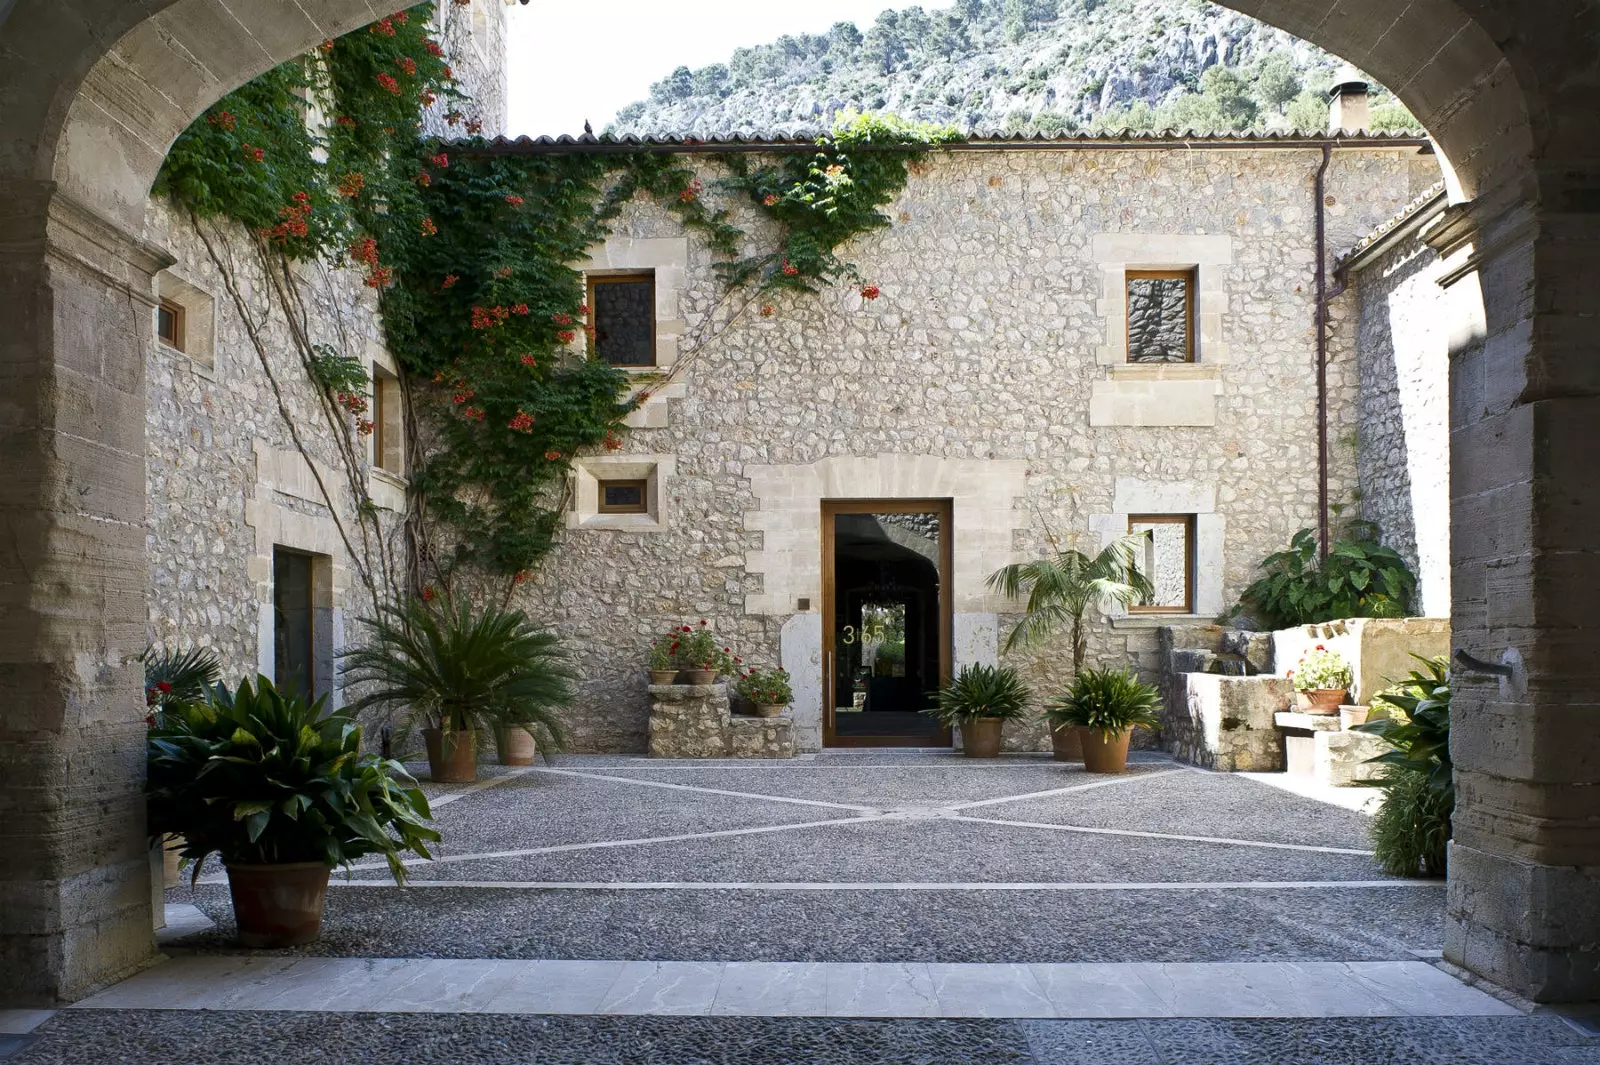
<point>906,906</point>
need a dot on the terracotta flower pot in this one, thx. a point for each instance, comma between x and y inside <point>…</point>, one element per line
<point>663,676</point>
<point>514,745</point>
<point>980,736</point>
<point>701,676</point>
<point>771,710</point>
<point>452,756</point>
<point>1102,753</point>
<point>278,905</point>
<point>1067,744</point>
<point>1351,716</point>
<point>1321,700</point>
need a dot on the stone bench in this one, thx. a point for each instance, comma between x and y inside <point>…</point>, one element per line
<point>695,721</point>
<point>1316,746</point>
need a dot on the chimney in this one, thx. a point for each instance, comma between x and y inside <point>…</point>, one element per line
<point>1350,110</point>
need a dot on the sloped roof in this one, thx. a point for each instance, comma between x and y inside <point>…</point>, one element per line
<point>763,140</point>
<point>1435,196</point>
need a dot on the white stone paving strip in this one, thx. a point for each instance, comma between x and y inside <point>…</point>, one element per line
<point>903,885</point>
<point>1131,778</point>
<point>803,989</point>
<point>707,791</point>
<point>471,789</point>
<point>562,848</point>
<point>1223,840</point>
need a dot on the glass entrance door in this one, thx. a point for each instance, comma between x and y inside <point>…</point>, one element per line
<point>886,614</point>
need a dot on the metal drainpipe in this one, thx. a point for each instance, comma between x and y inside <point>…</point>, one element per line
<point>1322,349</point>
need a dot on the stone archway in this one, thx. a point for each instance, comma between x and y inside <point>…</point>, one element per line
<point>97,89</point>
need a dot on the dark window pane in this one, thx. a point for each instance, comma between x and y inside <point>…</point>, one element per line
<point>624,321</point>
<point>623,497</point>
<point>1158,319</point>
<point>167,324</point>
<point>293,623</point>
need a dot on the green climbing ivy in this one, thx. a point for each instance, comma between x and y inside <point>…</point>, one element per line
<point>472,253</point>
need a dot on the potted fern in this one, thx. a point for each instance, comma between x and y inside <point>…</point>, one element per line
<point>281,791</point>
<point>1061,592</point>
<point>1104,706</point>
<point>461,672</point>
<point>979,702</point>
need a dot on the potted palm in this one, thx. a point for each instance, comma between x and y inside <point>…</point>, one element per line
<point>281,791</point>
<point>767,690</point>
<point>1061,590</point>
<point>980,701</point>
<point>461,672</point>
<point>172,679</point>
<point>1104,706</point>
<point>1322,681</point>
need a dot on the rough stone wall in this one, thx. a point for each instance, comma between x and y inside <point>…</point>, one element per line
<point>473,36</point>
<point>221,461</point>
<point>1405,415</point>
<point>981,347</point>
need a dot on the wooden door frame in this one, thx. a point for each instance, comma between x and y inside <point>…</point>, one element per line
<point>945,508</point>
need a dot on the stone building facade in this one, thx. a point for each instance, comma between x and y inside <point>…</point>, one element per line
<point>993,372</point>
<point>1405,400</point>
<point>249,488</point>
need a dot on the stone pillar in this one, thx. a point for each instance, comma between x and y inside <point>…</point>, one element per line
<point>77,299</point>
<point>1524,895</point>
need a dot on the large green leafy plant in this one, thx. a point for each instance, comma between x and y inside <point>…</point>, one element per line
<point>1110,701</point>
<point>980,691</point>
<point>1360,578</point>
<point>459,669</point>
<point>1063,588</point>
<point>1411,829</point>
<point>260,777</point>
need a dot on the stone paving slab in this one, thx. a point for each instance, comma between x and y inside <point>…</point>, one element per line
<point>895,989</point>
<point>1327,924</point>
<point>156,1037</point>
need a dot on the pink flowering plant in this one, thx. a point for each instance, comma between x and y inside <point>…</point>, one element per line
<point>1320,669</point>
<point>766,687</point>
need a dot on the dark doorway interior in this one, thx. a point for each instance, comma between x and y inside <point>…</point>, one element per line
<point>294,623</point>
<point>887,626</point>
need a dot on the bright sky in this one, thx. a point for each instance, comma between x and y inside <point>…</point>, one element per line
<point>574,60</point>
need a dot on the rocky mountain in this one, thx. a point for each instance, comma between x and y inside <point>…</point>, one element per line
<point>1015,65</point>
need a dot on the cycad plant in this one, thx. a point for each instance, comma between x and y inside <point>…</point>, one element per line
<point>1107,700</point>
<point>1062,589</point>
<point>980,691</point>
<point>172,678</point>
<point>461,670</point>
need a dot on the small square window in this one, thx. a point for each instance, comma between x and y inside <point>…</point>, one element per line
<point>1161,315</point>
<point>622,309</point>
<point>169,324</point>
<point>624,497</point>
<point>1166,558</point>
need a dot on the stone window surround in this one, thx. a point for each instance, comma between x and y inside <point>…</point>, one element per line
<point>1160,394</point>
<point>386,487</point>
<point>668,259</point>
<point>282,524</point>
<point>199,308</point>
<point>589,470</point>
<point>1137,496</point>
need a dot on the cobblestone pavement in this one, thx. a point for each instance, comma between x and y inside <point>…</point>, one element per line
<point>857,858</point>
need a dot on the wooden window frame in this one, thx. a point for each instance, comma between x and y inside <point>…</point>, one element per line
<point>642,483</point>
<point>635,276</point>
<point>1191,279</point>
<point>1189,556</point>
<point>176,341</point>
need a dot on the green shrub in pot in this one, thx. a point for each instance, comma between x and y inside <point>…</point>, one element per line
<point>459,671</point>
<point>281,791</point>
<point>979,701</point>
<point>1105,705</point>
